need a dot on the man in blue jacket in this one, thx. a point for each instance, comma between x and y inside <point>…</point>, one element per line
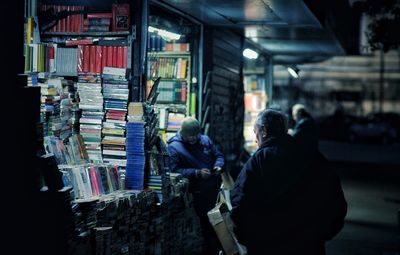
<point>197,158</point>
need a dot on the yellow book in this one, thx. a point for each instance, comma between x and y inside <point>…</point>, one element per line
<point>29,30</point>
<point>193,104</point>
<point>110,186</point>
<point>27,68</point>
<point>183,69</point>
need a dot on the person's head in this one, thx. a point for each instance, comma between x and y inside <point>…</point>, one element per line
<point>269,123</point>
<point>298,111</point>
<point>190,130</point>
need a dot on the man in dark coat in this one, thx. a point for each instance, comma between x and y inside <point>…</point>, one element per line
<point>281,203</point>
<point>305,131</point>
<point>197,158</point>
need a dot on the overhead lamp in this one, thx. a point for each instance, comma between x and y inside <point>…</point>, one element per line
<point>251,54</point>
<point>294,71</point>
<point>164,33</point>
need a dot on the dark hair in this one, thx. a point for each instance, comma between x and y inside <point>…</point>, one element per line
<point>274,121</point>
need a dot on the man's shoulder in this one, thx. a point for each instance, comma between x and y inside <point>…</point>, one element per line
<point>205,139</point>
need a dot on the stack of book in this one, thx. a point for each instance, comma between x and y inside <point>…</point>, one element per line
<point>88,214</point>
<point>91,104</point>
<point>97,22</point>
<point>56,108</point>
<point>172,92</point>
<point>155,183</point>
<point>175,120</point>
<point>115,93</point>
<point>134,178</point>
<point>102,243</point>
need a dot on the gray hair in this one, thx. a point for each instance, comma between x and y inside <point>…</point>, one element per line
<point>275,122</point>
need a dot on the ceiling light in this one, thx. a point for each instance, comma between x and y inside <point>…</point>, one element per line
<point>294,71</point>
<point>251,54</point>
<point>164,33</point>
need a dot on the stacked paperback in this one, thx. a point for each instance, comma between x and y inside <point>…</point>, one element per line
<point>135,140</point>
<point>91,104</point>
<point>56,108</point>
<point>116,94</point>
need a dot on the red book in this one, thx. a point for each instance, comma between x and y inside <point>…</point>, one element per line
<point>183,94</point>
<point>121,17</point>
<point>98,59</point>
<point>103,57</point>
<point>86,58</point>
<point>109,56</point>
<point>115,56</point>
<point>68,19</point>
<point>63,21</point>
<point>94,181</point>
<point>92,62</point>
<point>58,26</point>
<point>78,42</point>
<point>79,19</point>
<point>71,20</point>
<point>80,58</point>
<point>124,56</point>
<point>120,58</point>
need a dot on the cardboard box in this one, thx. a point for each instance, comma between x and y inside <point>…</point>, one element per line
<point>219,218</point>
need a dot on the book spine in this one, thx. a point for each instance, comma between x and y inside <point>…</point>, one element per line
<point>125,56</point>
<point>98,59</point>
<point>92,63</point>
<point>109,56</point>
<point>86,59</point>
<point>115,55</point>
<point>80,58</point>
<point>120,58</point>
<point>103,58</point>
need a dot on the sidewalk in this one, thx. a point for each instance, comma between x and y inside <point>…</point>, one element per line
<point>370,176</point>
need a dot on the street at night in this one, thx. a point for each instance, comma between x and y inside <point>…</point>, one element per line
<point>370,179</point>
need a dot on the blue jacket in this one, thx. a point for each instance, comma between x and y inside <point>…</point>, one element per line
<point>186,158</point>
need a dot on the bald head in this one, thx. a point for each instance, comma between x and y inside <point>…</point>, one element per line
<point>298,110</point>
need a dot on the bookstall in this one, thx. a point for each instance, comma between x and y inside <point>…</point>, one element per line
<point>103,166</point>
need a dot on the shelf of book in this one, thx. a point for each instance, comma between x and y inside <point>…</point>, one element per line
<point>88,33</point>
<point>83,34</point>
<point>168,54</point>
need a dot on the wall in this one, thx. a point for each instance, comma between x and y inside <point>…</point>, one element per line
<point>223,57</point>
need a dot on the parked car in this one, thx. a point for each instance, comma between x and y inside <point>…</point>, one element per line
<point>372,129</point>
<point>335,127</point>
<point>391,118</point>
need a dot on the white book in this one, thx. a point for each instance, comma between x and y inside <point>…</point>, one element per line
<point>114,71</point>
<point>114,152</point>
